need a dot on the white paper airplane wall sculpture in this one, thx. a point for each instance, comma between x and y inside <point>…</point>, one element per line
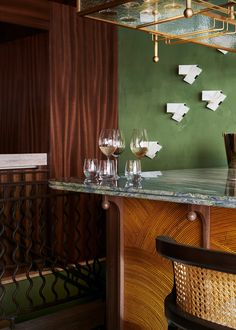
<point>223,51</point>
<point>179,110</point>
<point>214,99</point>
<point>191,72</point>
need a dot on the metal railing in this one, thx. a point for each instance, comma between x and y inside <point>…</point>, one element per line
<point>51,245</point>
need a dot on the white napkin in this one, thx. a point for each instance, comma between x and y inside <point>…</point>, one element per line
<point>151,174</point>
<point>153,148</point>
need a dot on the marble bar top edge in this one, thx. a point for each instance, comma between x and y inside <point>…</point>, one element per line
<point>208,187</point>
<point>166,198</point>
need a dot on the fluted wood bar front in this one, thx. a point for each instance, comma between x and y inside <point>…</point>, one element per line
<point>196,207</point>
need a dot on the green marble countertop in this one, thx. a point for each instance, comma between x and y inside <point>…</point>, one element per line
<point>211,186</point>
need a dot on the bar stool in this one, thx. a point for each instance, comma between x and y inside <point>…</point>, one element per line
<point>204,292</point>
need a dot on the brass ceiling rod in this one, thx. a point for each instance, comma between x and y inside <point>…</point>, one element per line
<point>231,12</point>
<point>155,42</point>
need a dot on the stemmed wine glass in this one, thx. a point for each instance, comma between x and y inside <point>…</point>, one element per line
<point>139,143</point>
<point>106,142</point>
<point>120,146</point>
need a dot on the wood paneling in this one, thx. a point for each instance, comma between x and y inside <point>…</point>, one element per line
<point>147,276</point>
<point>33,13</point>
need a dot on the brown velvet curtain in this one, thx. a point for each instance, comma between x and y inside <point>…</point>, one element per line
<point>24,95</point>
<point>83,81</point>
<point>83,67</point>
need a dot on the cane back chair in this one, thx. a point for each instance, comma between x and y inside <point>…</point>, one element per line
<point>204,291</point>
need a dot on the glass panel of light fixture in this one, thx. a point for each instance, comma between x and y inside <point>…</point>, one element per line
<point>182,27</point>
<point>199,29</point>
<point>226,42</point>
<point>138,12</point>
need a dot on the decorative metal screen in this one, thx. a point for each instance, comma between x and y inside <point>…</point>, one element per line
<point>50,245</point>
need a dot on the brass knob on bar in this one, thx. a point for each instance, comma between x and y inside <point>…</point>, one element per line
<point>188,12</point>
<point>105,203</point>
<point>192,216</point>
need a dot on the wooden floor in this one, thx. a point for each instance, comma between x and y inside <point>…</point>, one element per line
<point>83,317</point>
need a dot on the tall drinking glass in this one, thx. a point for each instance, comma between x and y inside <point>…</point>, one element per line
<point>90,169</point>
<point>107,142</point>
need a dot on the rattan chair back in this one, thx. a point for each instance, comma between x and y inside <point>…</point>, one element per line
<point>205,283</point>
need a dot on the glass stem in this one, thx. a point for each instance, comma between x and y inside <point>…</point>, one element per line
<point>116,165</point>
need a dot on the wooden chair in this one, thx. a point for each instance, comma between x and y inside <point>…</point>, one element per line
<point>204,292</point>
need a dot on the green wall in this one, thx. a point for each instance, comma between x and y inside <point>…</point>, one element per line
<point>145,88</point>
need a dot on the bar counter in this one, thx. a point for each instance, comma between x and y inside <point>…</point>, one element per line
<point>210,187</point>
<point>194,206</point>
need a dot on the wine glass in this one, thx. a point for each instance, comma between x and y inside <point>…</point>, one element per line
<point>90,169</point>
<point>120,146</point>
<point>107,142</point>
<point>139,143</point>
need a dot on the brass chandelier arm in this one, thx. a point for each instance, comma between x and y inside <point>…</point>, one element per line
<point>231,12</point>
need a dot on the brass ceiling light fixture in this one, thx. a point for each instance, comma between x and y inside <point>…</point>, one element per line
<point>209,23</point>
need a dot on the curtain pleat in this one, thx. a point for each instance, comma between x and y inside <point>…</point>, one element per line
<point>24,95</point>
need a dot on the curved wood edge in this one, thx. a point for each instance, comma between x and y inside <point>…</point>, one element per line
<point>115,262</point>
<point>203,213</point>
<point>196,256</point>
